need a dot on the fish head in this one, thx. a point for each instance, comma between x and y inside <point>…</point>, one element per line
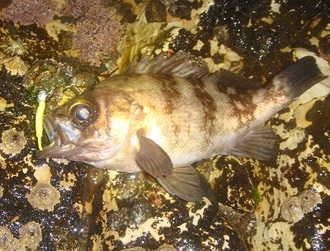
<point>91,127</point>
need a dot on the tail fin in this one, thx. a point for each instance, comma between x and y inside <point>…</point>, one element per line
<point>298,77</point>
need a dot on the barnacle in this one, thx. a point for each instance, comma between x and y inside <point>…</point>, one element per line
<point>14,47</point>
<point>3,164</point>
<point>3,104</point>
<point>30,235</point>
<point>15,65</point>
<point>119,220</point>
<point>166,248</point>
<point>309,200</point>
<point>294,208</point>
<point>1,191</point>
<point>140,212</point>
<point>135,249</point>
<point>6,239</point>
<point>291,210</point>
<point>44,196</point>
<point>131,186</point>
<point>13,141</point>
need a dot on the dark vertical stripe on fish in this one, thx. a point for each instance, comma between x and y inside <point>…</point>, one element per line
<point>208,104</point>
<point>241,102</point>
<point>244,107</point>
<point>169,90</point>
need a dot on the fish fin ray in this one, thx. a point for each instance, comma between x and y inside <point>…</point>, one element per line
<point>299,77</point>
<point>184,183</point>
<point>152,158</point>
<point>260,143</point>
<point>232,80</point>
<point>178,65</point>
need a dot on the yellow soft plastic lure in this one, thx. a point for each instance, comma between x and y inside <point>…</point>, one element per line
<point>39,122</point>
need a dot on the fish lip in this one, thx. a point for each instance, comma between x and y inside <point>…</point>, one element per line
<point>61,136</point>
<point>61,131</point>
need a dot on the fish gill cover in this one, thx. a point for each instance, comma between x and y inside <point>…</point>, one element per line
<point>40,46</point>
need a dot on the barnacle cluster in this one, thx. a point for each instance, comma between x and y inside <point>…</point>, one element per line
<point>13,141</point>
<point>295,207</point>
<point>61,80</point>
<point>44,196</point>
<point>97,31</point>
<point>11,58</point>
<point>122,218</point>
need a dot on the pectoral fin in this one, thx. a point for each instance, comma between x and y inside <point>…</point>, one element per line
<point>152,158</point>
<point>184,183</point>
<point>260,143</point>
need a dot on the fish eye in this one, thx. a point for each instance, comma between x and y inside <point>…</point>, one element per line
<point>82,113</point>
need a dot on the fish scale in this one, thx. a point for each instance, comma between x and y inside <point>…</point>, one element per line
<point>165,114</point>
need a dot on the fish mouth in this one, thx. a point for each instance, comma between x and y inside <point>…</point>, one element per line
<point>49,129</point>
<point>62,137</point>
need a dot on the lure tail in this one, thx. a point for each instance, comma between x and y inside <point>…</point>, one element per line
<point>39,124</point>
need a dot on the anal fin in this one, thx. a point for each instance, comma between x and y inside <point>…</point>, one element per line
<point>260,143</point>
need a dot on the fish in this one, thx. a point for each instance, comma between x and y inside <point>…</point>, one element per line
<point>164,114</point>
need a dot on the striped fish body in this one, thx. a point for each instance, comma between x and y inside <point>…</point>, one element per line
<point>163,115</point>
<point>188,118</point>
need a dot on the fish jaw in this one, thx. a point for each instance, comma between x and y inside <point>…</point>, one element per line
<point>62,137</point>
<point>68,142</point>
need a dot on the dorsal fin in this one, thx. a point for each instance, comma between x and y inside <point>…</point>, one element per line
<point>227,78</point>
<point>183,65</point>
<point>178,65</point>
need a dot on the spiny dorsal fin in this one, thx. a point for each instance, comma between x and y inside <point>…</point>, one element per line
<point>183,65</point>
<point>179,65</point>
